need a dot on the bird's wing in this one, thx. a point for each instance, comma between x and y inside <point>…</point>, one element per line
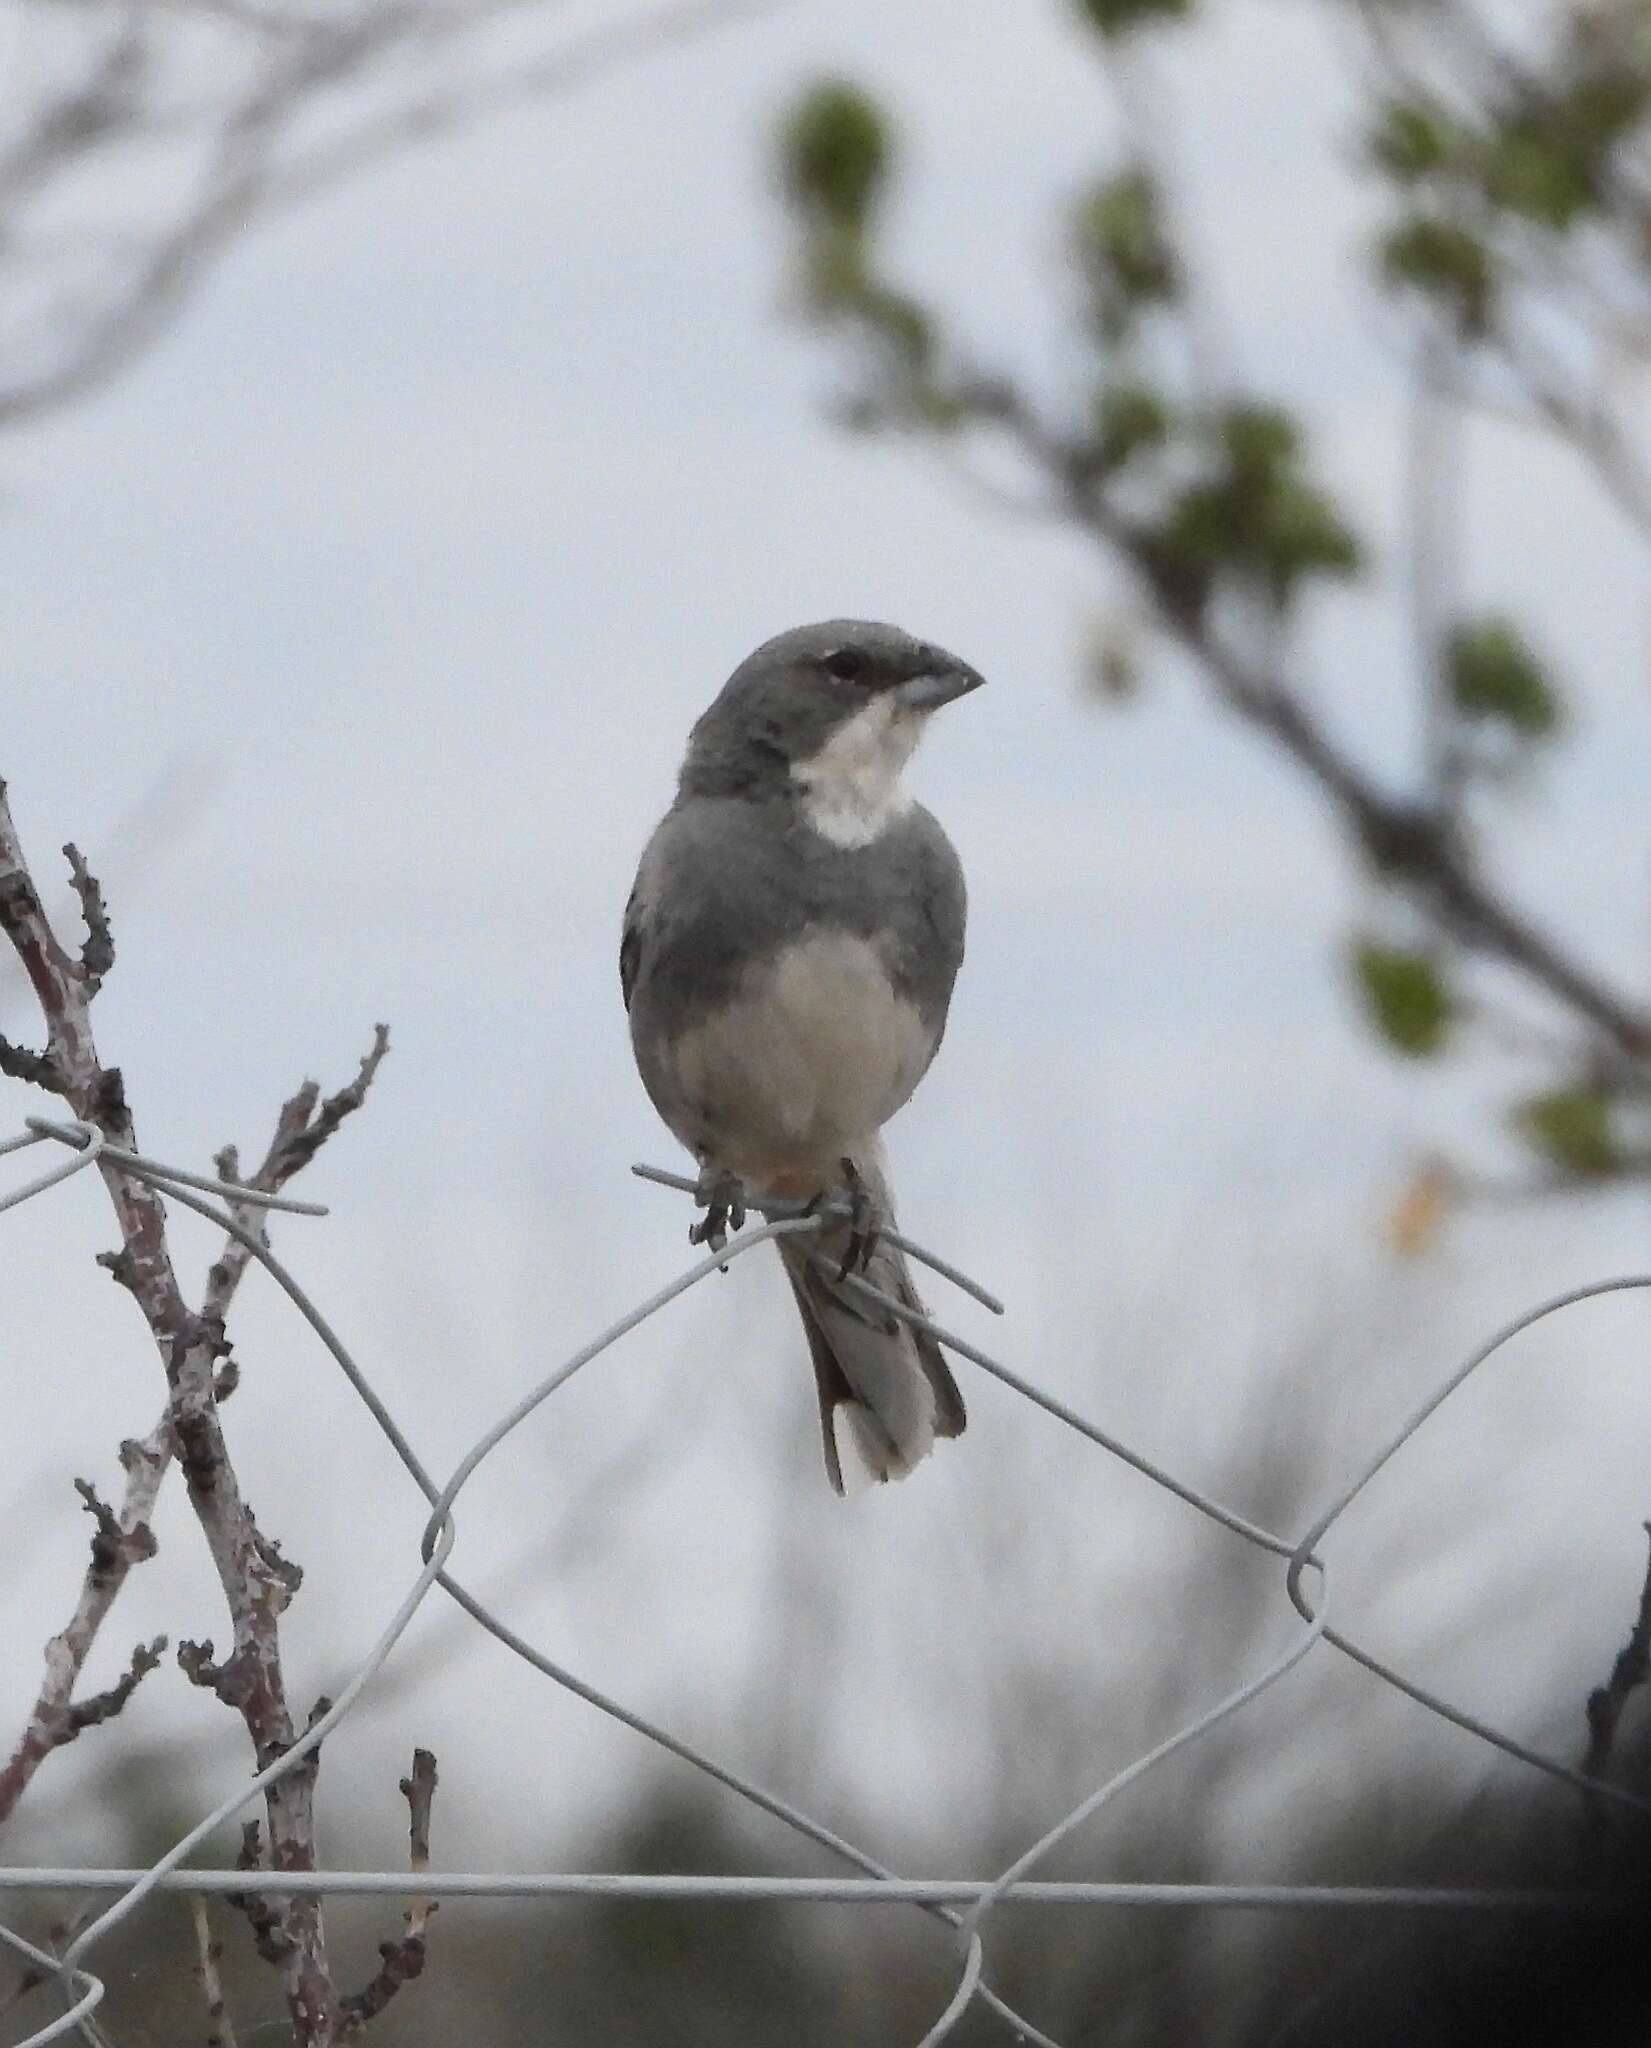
<point>630,947</point>
<point>941,896</point>
<point>643,903</point>
<point>924,908</point>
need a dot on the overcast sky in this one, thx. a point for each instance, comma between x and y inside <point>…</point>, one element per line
<point>383,594</point>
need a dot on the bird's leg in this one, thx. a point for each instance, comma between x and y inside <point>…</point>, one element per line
<point>865,1221</point>
<point>721,1195</point>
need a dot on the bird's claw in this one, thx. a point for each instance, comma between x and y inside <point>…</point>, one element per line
<point>865,1223</point>
<point>722,1196</point>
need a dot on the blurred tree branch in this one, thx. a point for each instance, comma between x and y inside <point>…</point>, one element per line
<point>221,2029</point>
<point>1518,247</point>
<point>1606,1702</point>
<point>140,138</point>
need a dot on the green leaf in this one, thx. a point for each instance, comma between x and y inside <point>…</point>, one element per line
<point>1112,18</point>
<point>1122,251</point>
<point>1492,674</point>
<point>1409,141</point>
<point>1129,418</point>
<point>1574,1128</point>
<point>1302,534</point>
<point>1535,172</point>
<point>1256,517</point>
<point>834,155</point>
<point>1600,109</point>
<point>1180,569</point>
<point>1405,997</point>
<point>1260,441</point>
<point>1201,529</point>
<point>1446,262</point>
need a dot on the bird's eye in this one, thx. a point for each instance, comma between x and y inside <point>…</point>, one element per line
<point>847,664</point>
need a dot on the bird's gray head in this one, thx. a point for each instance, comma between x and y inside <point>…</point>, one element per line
<point>832,711</point>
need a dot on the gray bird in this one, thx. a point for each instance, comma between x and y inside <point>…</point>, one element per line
<point>788,959</point>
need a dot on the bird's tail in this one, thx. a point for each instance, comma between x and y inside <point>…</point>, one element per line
<point>885,1390</point>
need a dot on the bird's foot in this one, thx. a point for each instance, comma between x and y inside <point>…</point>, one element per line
<point>722,1196</point>
<point>865,1222</point>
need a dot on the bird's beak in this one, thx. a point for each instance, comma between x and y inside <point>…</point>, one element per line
<point>937,684</point>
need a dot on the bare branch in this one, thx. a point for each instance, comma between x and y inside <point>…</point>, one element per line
<point>403,1960</point>
<point>97,956</point>
<point>104,1706</point>
<point>296,1148</point>
<point>112,1544</point>
<point>39,1069</point>
<point>272,1941</point>
<point>300,1132</point>
<point>221,2030</point>
<point>124,1539</point>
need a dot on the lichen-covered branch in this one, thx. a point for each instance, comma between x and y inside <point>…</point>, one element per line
<point>124,1539</point>
<point>58,1717</point>
<point>125,1532</point>
<point>39,1069</point>
<point>257,1583</point>
<point>271,1937</point>
<point>304,1125</point>
<point>97,955</point>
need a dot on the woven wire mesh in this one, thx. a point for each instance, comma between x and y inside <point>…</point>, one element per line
<point>966,1905</point>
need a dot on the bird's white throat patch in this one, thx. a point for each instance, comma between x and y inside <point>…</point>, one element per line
<point>852,790</point>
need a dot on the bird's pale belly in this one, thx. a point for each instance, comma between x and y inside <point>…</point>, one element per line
<point>809,1058</point>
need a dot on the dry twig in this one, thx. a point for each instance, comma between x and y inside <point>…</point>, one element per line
<point>403,1960</point>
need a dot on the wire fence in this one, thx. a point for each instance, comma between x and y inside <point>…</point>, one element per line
<point>965,1905</point>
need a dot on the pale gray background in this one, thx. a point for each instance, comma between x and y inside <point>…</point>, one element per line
<point>356,634</point>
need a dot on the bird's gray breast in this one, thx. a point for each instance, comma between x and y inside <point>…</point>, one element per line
<point>788,994</point>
